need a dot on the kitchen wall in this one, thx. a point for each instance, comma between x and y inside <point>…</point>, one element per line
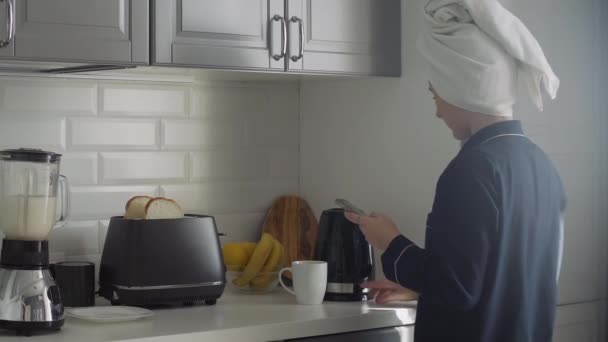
<point>377,142</point>
<point>220,148</point>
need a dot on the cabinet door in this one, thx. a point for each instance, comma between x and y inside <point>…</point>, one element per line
<point>112,31</point>
<point>584,322</point>
<point>238,34</point>
<point>393,334</point>
<point>346,36</point>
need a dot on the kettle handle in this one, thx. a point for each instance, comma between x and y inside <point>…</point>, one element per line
<point>366,271</point>
<point>368,268</point>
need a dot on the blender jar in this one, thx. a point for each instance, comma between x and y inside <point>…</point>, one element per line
<point>29,181</point>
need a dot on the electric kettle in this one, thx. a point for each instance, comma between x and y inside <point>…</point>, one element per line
<point>348,255</point>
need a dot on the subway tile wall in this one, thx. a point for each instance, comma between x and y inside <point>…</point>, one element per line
<point>221,148</point>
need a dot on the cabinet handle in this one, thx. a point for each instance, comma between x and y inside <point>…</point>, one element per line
<point>10,23</point>
<point>283,37</point>
<point>295,19</point>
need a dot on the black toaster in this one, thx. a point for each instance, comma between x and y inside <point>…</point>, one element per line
<point>165,261</point>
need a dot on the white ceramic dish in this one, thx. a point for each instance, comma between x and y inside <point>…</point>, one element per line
<point>109,314</point>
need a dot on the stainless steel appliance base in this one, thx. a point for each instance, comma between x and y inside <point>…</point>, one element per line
<point>29,300</point>
<point>344,297</point>
<point>27,328</point>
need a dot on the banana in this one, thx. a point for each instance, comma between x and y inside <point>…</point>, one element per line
<point>249,247</point>
<point>257,261</point>
<point>274,260</point>
<point>237,254</point>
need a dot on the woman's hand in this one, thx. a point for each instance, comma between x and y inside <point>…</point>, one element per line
<point>379,229</point>
<point>385,291</point>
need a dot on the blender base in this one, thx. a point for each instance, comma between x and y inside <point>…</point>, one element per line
<point>27,328</point>
<point>31,299</point>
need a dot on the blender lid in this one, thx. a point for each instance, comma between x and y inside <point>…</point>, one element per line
<point>30,155</point>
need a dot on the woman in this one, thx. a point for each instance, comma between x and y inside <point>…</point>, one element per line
<point>491,260</point>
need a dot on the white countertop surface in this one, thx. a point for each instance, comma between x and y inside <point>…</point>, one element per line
<point>242,317</point>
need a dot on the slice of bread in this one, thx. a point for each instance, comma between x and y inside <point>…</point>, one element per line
<point>136,207</point>
<point>163,208</point>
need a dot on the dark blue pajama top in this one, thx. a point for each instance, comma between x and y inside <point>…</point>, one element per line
<point>488,272</point>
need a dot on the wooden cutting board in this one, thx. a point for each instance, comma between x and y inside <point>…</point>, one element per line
<point>292,222</point>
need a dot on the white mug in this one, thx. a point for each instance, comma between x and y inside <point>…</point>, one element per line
<point>309,281</point>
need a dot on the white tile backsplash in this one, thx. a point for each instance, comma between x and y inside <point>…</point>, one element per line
<point>272,132</point>
<point>207,198</point>
<point>48,133</point>
<point>213,101</point>
<point>197,134</point>
<point>92,134</point>
<point>551,137</point>
<point>128,167</point>
<point>229,164</point>
<point>258,196</point>
<point>144,100</point>
<point>80,167</point>
<point>103,231</point>
<point>76,238</point>
<point>55,256</point>
<point>214,165</point>
<point>284,163</point>
<point>57,97</point>
<point>240,227</point>
<point>99,202</point>
<point>219,148</point>
<point>284,102</point>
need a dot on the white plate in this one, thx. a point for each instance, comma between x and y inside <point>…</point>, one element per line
<point>109,314</point>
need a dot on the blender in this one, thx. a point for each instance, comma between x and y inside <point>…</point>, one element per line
<point>29,182</point>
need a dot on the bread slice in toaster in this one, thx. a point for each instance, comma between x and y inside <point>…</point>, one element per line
<point>136,207</point>
<point>163,208</point>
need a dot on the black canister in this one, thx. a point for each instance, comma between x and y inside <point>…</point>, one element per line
<point>76,281</point>
<point>348,255</point>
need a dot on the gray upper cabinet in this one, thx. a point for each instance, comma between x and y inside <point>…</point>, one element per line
<point>345,36</point>
<point>108,31</point>
<point>355,37</point>
<point>240,34</point>
<point>318,36</point>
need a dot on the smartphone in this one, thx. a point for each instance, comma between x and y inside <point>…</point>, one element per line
<point>347,206</point>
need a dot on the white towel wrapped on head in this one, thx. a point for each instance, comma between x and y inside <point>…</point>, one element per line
<point>477,49</point>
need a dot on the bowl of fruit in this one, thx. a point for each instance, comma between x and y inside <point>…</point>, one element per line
<point>253,267</point>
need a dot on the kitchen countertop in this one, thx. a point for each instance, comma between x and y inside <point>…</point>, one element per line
<point>236,316</point>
